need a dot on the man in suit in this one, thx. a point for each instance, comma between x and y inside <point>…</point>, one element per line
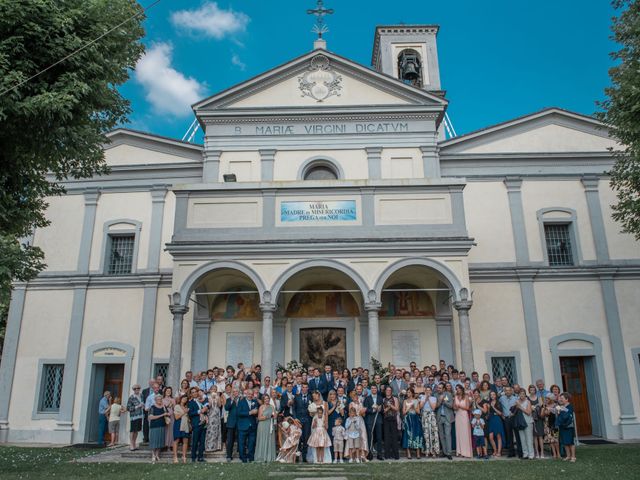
<point>247,412</point>
<point>326,382</point>
<point>315,384</point>
<point>301,413</point>
<point>145,422</point>
<point>231,406</point>
<point>286,402</point>
<point>373,420</point>
<point>444,417</point>
<point>397,384</point>
<point>198,405</point>
<point>343,402</point>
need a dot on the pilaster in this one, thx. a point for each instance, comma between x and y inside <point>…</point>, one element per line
<point>211,165</point>
<point>267,159</point>
<point>374,160</point>
<point>158,195</point>
<point>91,197</point>
<point>430,161</point>
<point>9,355</point>
<point>590,184</point>
<point>514,192</point>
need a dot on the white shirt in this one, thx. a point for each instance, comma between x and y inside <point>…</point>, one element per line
<point>151,399</point>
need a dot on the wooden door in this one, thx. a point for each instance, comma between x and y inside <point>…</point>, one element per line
<point>324,346</point>
<point>574,381</point>
<point>113,378</point>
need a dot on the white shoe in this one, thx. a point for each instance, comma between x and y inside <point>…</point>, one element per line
<point>351,460</point>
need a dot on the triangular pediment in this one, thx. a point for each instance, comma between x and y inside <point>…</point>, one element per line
<point>319,79</point>
<point>552,130</point>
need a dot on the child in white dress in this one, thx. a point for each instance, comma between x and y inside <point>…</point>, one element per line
<point>339,436</point>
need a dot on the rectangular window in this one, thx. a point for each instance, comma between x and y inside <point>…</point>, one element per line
<point>51,388</point>
<point>504,367</point>
<point>160,369</point>
<point>121,254</point>
<point>558,239</point>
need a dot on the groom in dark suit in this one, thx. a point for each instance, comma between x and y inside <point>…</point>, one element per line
<point>374,420</point>
<point>301,413</point>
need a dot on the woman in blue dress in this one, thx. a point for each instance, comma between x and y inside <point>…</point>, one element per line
<point>566,426</point>
<point>332,403</point>
<point>412,435</point>
<point>494,423</point>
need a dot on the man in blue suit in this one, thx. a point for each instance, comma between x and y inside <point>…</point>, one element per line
<point>231,406</point>
<point>198,405</point>
<point>373,420</point>
<point>247,413</point>
<point>301,413</point>
<point>315,382</point>
<point>326,381</point>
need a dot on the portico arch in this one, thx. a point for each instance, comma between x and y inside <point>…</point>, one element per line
<point>437,278</point>
<point>447,275</point>
<point>327,263</point>
<point>214,277</point>
<point>192,281</point>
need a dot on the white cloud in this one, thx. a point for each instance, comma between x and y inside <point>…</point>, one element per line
<point>168,90</point>
<point>235,60</point>
<point>211,20</point>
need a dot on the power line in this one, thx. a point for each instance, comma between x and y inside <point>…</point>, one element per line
<point>81,48</point>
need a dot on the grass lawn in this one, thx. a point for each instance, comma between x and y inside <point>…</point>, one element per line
<point>598,461</point>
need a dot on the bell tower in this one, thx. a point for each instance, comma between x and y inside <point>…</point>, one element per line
<point>408,53</point>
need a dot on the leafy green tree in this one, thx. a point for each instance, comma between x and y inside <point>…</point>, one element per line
<point>622,113</point>
<point>52,126</point>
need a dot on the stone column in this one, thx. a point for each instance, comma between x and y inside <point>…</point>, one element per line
<point>372,309</point>
<point>175,354</point>
<point>267,309</point>
<point>466,348</point>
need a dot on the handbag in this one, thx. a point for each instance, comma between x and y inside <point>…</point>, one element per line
<point>519,423</point>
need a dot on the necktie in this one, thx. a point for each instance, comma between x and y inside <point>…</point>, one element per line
<point>304,398</point>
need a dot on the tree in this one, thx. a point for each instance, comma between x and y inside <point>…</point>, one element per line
<point>53,125</point>
<point>622,114</point>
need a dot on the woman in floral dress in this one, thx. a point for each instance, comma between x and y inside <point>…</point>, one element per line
<point>430,424</point>
<point>213,440</point>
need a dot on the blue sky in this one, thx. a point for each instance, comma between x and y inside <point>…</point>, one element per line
<point>498,59</point>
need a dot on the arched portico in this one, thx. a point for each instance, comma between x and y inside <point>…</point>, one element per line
<point>320,302</point>
<point>435,271</point>
<point>207,281</point>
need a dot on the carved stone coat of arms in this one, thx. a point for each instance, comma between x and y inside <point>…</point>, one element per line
<point>320,81</point>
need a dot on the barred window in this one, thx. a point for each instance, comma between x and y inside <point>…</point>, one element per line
<point>558,239</point>
<point>160,369</point>
<point>121,254</point>
<point>504,367</point>
<point>51,388</point>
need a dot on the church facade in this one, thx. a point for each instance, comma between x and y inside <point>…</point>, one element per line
<point>327,219</point>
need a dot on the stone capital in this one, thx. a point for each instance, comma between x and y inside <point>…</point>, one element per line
<point>91,196</point>
<point>590,183</point>
<point>513,184</point>
<point>268,307</point>
<point>178,309</point>
<point>372,306</point>
<point>463,305</point>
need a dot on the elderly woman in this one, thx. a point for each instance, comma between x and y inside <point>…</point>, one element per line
<point>157,425</point>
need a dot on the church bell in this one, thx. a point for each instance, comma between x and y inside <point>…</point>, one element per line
<point>409,63</point>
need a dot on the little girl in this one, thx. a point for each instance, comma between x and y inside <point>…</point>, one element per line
<point>339,436</point>
<point>352,448</point>
<point>319,438</point>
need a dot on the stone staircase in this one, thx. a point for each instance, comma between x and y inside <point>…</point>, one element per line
<point>145,453</point>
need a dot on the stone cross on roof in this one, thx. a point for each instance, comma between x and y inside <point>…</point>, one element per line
<point>320,27</point>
